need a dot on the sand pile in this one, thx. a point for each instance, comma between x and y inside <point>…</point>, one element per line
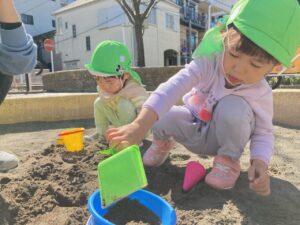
<point>51,187</point>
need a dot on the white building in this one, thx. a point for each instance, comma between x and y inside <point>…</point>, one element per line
<point>37,14</point>
<point>39,21</point>
<point>83,24</point>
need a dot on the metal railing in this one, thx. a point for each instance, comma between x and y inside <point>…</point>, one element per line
<point>28,82</point>
<point>189,14</point>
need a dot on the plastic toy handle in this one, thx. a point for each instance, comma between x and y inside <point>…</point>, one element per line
<point>109,151</point>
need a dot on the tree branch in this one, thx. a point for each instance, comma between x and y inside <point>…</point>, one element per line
<point>128,11</point>
<point>148,9</point>
<point>136,7</point>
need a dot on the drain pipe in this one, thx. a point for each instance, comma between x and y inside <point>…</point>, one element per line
<point>209,17</point>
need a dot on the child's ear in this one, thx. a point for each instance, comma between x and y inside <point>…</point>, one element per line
<point>126,76</point>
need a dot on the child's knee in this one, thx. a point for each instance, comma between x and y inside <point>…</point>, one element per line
<point>167,121</point>
<point>234,109</point>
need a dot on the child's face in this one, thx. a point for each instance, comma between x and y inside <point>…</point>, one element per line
<point>240,68</point>
<point>111,84</point>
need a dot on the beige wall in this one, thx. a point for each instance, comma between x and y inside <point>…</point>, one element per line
<point>73,106</point>
<point>287,107</point>
<point>47,107</point>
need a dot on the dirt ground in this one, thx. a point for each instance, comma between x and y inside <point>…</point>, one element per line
<point>52,187</point>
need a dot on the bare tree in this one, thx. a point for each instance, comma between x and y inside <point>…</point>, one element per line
<point>137,18</point>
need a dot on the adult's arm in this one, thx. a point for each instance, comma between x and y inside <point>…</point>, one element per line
<point>17,49</point>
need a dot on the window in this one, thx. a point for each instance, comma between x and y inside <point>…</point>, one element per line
<point>191,11</point>
<point>169,21</point>
<point>179,2</point>
<point>172,22</point>
<point>88,43</point>
<point>191,41</point>
<point>66,25</point>
<point>27,19</point>
<point>74,31</point>
<point>53,23</point>
<point>152,17</point>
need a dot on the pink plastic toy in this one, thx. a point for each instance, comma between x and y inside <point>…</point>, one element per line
<point>194,173</point>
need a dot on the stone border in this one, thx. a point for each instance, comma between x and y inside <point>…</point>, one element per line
<point>74,106</point>
<point>287,107</point>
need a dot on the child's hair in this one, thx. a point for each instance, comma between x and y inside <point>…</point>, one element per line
<point>245,45</point>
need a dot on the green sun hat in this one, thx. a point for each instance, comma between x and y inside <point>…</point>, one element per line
<point>272,25</point>
<point>111,58</point>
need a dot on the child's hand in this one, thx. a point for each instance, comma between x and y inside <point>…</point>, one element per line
<point>122,137</point>
<point>133,133</point>
<point>259,177</point>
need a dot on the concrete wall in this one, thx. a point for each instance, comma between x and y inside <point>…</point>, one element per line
<point>287,107</point>
<point>47,107</point>
<point>80,81</point>
<point>73,106</point>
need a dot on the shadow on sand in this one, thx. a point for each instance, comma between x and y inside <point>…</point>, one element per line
<point>281,207</point>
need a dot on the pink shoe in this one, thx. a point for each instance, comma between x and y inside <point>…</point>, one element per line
<point>158,152</point>
<point>224,173</point>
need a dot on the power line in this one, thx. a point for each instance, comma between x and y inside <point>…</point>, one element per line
<point>36,6</point>
<point>99,25</point>
<point>92,28</point>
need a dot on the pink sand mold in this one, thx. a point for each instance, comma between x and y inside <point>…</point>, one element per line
<point>194,173</point>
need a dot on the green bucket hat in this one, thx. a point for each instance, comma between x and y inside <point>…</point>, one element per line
<point>272,25</point>
<point>111,58</point>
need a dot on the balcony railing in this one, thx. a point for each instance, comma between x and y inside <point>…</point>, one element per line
<point>188,14</point>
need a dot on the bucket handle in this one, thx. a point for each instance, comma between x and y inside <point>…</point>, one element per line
<point>71,132</point>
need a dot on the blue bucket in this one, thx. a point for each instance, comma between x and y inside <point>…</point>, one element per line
<point>160,207</point>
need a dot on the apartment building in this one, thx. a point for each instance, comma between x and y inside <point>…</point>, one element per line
<point>196,16</point>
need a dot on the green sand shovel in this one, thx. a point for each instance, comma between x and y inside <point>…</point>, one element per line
<point>121,174</point>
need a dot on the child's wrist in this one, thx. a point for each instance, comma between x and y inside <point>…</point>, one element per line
<point>259,162</point>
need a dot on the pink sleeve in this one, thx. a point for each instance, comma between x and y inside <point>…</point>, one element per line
<point>170,92</point>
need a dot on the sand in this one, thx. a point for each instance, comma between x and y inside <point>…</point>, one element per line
<point>51,186</point>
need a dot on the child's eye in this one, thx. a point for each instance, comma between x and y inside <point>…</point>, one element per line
<point>233,55</point>
<point>254,65</point>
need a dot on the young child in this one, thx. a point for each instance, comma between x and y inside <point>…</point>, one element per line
<point>121,93</point>
<point>226,98</point>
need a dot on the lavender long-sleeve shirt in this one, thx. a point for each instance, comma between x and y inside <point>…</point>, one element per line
<point>201,84</point>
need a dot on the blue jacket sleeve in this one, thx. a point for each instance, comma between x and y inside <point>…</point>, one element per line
<point>17,51</point>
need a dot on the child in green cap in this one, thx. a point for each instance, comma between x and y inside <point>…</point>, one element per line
<point>227,101</point>
<point>121,93</point>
